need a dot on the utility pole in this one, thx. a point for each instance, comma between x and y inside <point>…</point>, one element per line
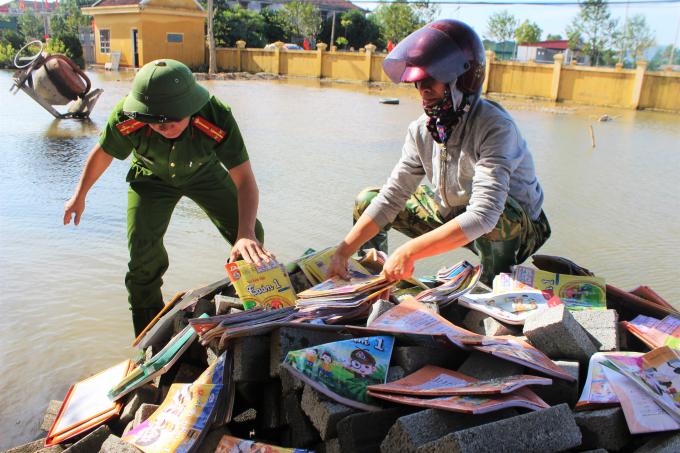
<point>212,56</point>
<point>332,31</point>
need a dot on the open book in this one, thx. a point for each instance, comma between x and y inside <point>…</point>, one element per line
<point>656,332</point>
<point>435,381</point>
<point>509,307</point>
<point>597,391</point>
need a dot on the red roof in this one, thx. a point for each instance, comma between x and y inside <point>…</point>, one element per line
<point>562,44</point>
<point>334,4</point>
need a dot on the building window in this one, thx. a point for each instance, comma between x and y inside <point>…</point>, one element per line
<point>105,41</point>
<point>175,37</point>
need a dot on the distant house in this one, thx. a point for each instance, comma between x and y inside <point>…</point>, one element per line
<point>141,31</point>
<point>325,6</point>
<point>544,51</point>
<point>17,7</point>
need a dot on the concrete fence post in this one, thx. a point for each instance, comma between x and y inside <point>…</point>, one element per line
<point>490,57</point>
<point>240,45</point>
<point>637,86</point>
<point>370,49</point>
<point>278,45</point>
<point>320,49</point>
<point>557,72</point>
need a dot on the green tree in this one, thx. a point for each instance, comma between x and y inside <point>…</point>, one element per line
<point>552,37</point>
<point>528,32</point>
<point>233,24</point>
<point>68,19</point>
<point>6,55</point>
<point>662,57</point>
<point>55,46</point>
<point>636,37</point>
<point>593,30</point>
<point>31,26</point>
<point>274,27</point>
<point>501,26</point>
<point>361,30</point>
<point>301,19</point>
<point>397,20</point>
<point>427,11</point>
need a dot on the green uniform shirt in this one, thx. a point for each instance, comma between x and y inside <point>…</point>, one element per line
<point>176,160</point>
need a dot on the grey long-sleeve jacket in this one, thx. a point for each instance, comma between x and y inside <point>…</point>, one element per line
<point>484,160</point>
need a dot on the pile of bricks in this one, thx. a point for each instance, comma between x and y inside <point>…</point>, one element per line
<point>273,406</point>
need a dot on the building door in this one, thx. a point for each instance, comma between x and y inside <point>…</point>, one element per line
<point>135,48</point>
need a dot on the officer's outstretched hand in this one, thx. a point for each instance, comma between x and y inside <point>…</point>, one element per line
<point>74,206</point>
<point>251,250</point>
<point>399,265</point>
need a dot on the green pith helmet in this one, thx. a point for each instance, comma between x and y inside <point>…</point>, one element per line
<point>164,90</point>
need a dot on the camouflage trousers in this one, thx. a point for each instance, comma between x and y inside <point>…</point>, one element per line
<point>514,238</point>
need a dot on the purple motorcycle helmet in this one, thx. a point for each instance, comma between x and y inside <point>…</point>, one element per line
<point>445,50</point>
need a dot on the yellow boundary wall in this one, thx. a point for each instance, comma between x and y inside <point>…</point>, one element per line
<point>615,87</point>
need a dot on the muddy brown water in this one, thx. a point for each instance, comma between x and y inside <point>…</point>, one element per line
<point>614,209</point>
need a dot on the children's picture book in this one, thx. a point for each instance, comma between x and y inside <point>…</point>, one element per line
<point>457,280</point>
<point>344,369</point>
<point>470,404</point>
<point>597,392</point>
<point>315,265</point>
<point>656,332</point>
<point>230,444</point>
<point>159,364</point>
<point>643,414</point>
<point>575,291</point>
<point>435,381</point>
<point>509,307</point>
<point>657,373</point>
<point>265,286</point>
<point>87,405</point>
<point>180,421</point>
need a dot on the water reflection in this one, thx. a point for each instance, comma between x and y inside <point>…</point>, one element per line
<point>313,146</point>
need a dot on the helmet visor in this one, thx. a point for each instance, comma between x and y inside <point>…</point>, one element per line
<point>427,52</point>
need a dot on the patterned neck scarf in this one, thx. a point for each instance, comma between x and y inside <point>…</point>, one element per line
<point>442,117</point>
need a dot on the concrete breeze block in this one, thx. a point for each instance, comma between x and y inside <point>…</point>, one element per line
<point>561,391</point>
<point>602,326</point>
<point>603,428</point>
<point>662,443</point>
<point>555,332</point>
<point>545,431</point>
<point>323,412</point>
<point>363,432</point>
<point>115,444</point>
<point>413,358</point>
<point>35,446</point>
<point>302,432</point>
<point>485,366</point>
<point>91,442</point>
<point>50,415</point>
<point>251,357</point>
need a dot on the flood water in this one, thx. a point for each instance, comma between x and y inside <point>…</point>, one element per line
<point>614,209</point>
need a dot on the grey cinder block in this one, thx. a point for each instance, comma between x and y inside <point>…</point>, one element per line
<point>144,412</point>
<point>555,332</point>
<point>329,446</point>
<point>114,444</point>
<point>485,366</point>
<point>662,443</point>
<point>35,446</point>
<point>394,373</point>
<point>545,431</point>
<point>603,428</point>
<point>302,432</point>
<point>251,359</point>
<point>290,383</point>
<point>91,442</point>
<point>146,394</point>
<point>601,326</point>
<point>561,391</point>
<point>50,415</point>
<point>363,432</point>
<point>413,358</point>
<point>323,412</point>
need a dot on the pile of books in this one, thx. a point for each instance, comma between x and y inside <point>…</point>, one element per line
<point>315,265</point>
<point>656,332</point>
<point>337,300</point>
<point>456,281</point>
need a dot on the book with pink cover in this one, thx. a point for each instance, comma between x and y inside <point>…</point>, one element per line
<point>656,332</point>
<point>435,381</point>
<point>470,404</point>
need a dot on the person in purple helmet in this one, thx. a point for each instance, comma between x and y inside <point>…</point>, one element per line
<point>484,194</point>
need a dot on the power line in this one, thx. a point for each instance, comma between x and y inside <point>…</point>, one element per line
<point>527,3</point>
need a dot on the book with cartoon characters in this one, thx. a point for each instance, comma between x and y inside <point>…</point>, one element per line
<point>435,381</point>
<point>343,370</point>
<point>230,444</point>
<point>656,332</point>
<point>509,307</point>
<point>597,391</point>
<point>575,291</point>
<point>265,286</point>
<point>315,265</point>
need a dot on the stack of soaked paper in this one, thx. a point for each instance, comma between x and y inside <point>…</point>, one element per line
<point>656,332</point>
<point>456,281</point>
<point>225,327</point>
<point>575,291</point>
<point>186,414</point>
<point>343,370</point>
<point>336,300</point>
<point>266,286</point>
<point>440,388</point>
<point>315,265</point>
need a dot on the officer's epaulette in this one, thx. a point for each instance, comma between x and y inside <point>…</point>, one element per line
<point>208,128</point>
<point>127,127</point>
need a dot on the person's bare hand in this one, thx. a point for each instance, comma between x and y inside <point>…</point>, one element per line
<point>399,265</point>
<point>251,250</point>
<point>73,207</point>
<point>338,266</point>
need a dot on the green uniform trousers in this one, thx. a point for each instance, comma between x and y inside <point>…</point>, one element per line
<point>514,238</point>
<point>151,202</point>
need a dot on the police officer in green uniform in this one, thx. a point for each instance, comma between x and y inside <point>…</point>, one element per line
<point>182,141</point>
